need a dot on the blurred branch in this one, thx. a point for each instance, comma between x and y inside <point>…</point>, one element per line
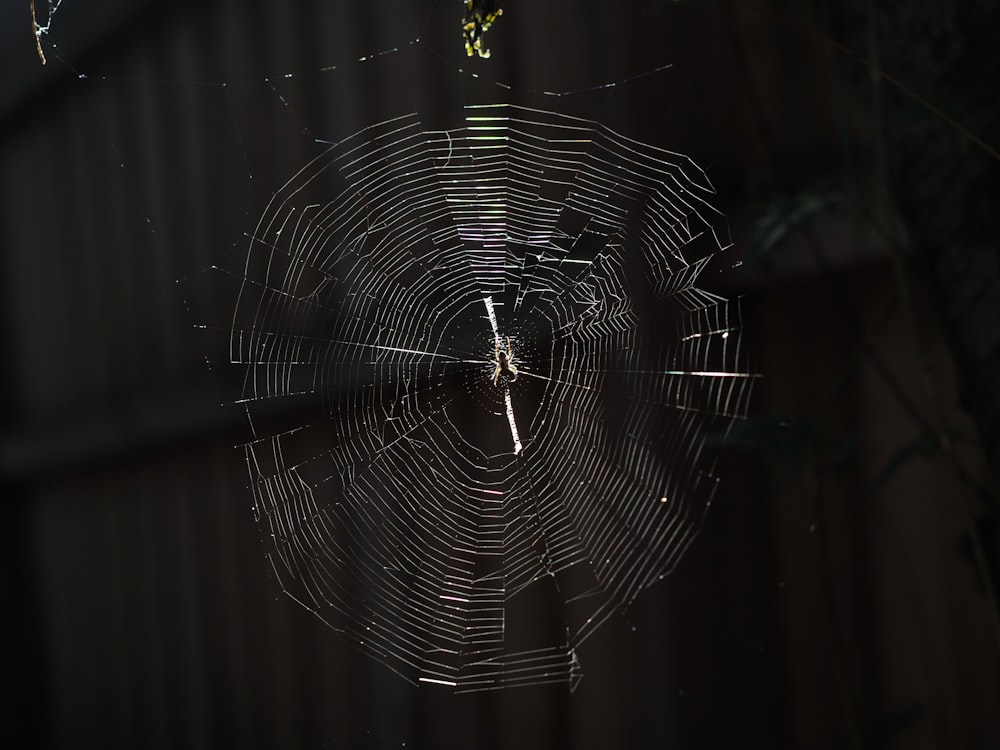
<point>37,31</point>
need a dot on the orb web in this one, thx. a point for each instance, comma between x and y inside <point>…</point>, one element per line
<point>479,371</point>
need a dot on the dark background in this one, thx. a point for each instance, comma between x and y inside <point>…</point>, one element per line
<point>842,592</point>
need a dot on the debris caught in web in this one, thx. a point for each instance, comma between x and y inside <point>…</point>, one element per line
<point>479,16</point>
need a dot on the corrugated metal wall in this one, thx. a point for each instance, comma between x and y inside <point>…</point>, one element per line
<point>142,610</point>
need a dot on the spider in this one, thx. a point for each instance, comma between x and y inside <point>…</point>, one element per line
<point>504,362</point>
<point>479,16</point>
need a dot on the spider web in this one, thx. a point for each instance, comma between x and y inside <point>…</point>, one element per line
<point>414,492</point>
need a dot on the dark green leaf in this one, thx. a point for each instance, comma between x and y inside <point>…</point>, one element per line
<point>925,445</point>
<point>784,214</point>
<point>801,443</point>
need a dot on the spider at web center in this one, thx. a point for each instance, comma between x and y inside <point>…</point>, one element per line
<point>504,369</point>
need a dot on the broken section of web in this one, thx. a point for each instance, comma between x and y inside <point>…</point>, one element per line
<point>414,489</point>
